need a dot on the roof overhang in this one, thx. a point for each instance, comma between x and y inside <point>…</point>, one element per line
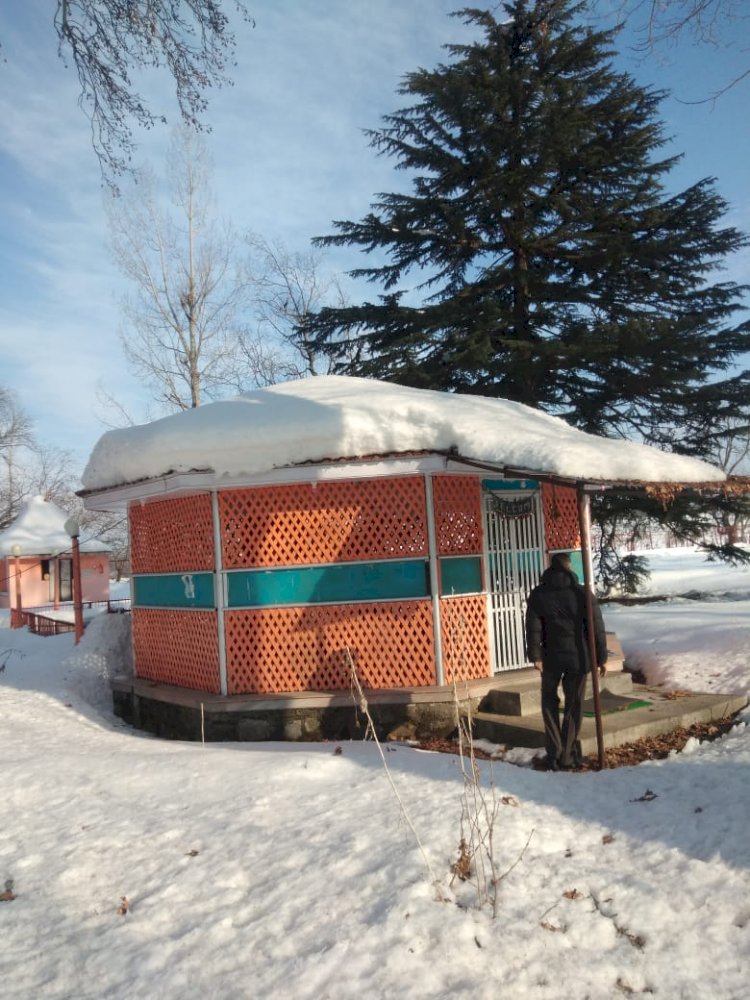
<point>373,466</point>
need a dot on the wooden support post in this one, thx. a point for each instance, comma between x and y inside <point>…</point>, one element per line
<point>16,618</point>
<point>77,591</point>
<point>584,523</point>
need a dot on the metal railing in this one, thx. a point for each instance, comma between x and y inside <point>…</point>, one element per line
<point>44,620</point>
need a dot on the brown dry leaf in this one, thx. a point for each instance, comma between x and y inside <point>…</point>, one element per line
<point>550,927</point>
<point>608,838</point>
<point>192,853</point>
<point>124,906</point>
<point>573,894</point>
<point>7,896</point>
<point>508,800</point>
<point>461,867</point>
<point>637,940</point>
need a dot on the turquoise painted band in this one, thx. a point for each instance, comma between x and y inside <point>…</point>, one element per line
<point>510,484</point>
<point>340,583</point>
<point>460,575</point>
<point>174,590</point>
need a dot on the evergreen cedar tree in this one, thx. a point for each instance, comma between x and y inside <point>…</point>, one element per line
<point>538,255</point>
<point>551,265</point>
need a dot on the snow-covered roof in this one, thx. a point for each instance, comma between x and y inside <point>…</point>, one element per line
<point>336,417</point>
<point>40,531</point>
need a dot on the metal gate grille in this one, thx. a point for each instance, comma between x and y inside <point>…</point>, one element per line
<point>515,554</point>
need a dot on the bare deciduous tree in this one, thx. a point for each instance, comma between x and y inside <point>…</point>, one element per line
<point>705,20</point>
<point>287,288</point>
<point>732,450</point>
<point>28,467</point>
<point>718,23</point>
<point>184,317</point>
<point>15,434</point>
<point>107,40</point>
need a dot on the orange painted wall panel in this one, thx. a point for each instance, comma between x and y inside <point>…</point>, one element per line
<point>458,515</point>
<point>303,649</point>
<point>177,647</point>
<point>318,523</point>
<point>465,638</point>
<point>561,529</point>
<point>172,536</point>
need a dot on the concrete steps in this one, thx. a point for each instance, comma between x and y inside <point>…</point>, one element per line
<point>517,692</point>
<point>510,712</point>
<point>524,698</point>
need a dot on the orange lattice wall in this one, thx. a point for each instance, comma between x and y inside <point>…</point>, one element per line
<point>561,529</point>
<point>458,515</point>
<point>172,536</point>
<point>302,649</point>
<point>306,523</point>
<point>177,647</point>
<point>465,638</point>
<point>287,649</point>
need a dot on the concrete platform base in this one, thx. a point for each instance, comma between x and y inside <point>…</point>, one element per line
<point>419,713</point>
<point>406,713</point>
<point>661,714</point>
<point>505,709</point>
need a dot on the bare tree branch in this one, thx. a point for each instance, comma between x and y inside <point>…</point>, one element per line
<point>15,434</point>
<point>108,40</point>
<point>288,288</point>
<point>717,23</point>
<point>29,468</point>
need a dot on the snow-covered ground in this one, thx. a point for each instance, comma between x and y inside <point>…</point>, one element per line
<point>288,871</point>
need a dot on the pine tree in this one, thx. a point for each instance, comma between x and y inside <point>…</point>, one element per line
<point>538,254</point>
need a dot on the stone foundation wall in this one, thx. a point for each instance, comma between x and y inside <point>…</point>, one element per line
<point>402,720</point>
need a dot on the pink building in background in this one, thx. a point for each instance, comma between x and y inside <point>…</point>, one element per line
<point>36,561</point>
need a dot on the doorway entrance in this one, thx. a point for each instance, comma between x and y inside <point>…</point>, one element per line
<point>514,533</point>
<point>66,579</point>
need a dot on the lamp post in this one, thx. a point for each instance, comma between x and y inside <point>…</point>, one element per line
<point>15,619</point>
<point>73,529</point>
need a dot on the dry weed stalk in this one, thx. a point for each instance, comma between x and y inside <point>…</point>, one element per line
<point>365,709</point>
<point>479,806</point>
<point>479,809</point>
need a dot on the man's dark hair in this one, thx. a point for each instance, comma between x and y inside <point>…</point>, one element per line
<point>561,560</point>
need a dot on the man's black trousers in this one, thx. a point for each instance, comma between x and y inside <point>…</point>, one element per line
<point>561,741</point>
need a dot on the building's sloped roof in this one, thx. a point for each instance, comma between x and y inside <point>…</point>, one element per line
<point>335,417</point>
<point>40,531</point>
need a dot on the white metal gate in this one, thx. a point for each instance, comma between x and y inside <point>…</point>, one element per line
<point>514,531</point>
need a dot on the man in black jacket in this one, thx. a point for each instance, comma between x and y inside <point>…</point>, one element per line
<point>557,644</point>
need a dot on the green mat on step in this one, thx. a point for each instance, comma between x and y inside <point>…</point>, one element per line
<point>614,703</point>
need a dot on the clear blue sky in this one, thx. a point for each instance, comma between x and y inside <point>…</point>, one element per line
<point>289,156</point>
